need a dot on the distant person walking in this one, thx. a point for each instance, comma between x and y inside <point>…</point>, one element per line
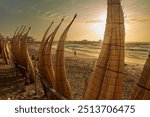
<point>75,52</point>
<point>33,57</point>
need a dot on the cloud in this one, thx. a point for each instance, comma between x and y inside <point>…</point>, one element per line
<point>93,21</point>
<point>138,20</point>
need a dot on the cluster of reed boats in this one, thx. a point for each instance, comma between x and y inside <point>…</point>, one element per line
<point>106,80</point>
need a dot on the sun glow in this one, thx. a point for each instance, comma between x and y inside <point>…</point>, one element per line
<point>99,26</point>
<point>103,17</point>
<point>127,27</point>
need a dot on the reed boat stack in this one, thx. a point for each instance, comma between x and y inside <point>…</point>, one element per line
<point>19,48</point>
<point>57,78</point>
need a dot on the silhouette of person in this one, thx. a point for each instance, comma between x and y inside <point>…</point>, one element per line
<point>75,52</point>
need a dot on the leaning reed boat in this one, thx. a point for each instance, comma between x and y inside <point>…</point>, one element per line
<point>41,62</point>
<point>62,83</point>
<point>29,63</point>
<point>142,90</point>
<point>41,48</point>
<point>17,45</point>
<point>14,48</point>
<point>48,56</point>
<point>12,44</point>
<point>5,51</point>
<point>107,77</point>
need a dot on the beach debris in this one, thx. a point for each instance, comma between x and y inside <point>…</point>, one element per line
<point>107,77</point>
<point>62,83</point>
<point>142,90</point>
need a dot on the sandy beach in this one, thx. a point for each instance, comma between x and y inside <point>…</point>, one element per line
<point>79,69</point>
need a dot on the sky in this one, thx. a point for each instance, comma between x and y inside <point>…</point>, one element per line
<point>89,25</point>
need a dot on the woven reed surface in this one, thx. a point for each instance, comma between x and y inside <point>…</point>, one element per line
<point>142,90</point>
<point>48,57</point>
<point>106,80</point>
<point>62,84</point>
<point>42,63</point>
<point>23,60</point>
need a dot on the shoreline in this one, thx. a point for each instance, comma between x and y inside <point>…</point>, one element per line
<point>70,53</point>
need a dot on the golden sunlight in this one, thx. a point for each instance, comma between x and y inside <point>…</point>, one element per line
<point>99,27</point>
<point>127,26</point>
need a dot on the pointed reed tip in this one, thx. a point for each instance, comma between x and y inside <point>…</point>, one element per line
<point>63,19</point>
<point>25,26</point>
<point>75,15</point>
<point>30,28</point>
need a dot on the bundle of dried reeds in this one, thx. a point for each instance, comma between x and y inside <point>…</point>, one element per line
<point>106,79</point>
<point>45,66</point>
<point>48,57</point>
<point>62,83</point>
<point>0,48</point>
<point>20,52</point>
<point>41,61</point>
<point>28,61</point>
<point>142,90</point>
<point>15,45</point>
<point>5,50</point>
<point>41,49</point>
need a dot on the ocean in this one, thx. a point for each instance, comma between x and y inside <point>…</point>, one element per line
<point>135,52</point>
